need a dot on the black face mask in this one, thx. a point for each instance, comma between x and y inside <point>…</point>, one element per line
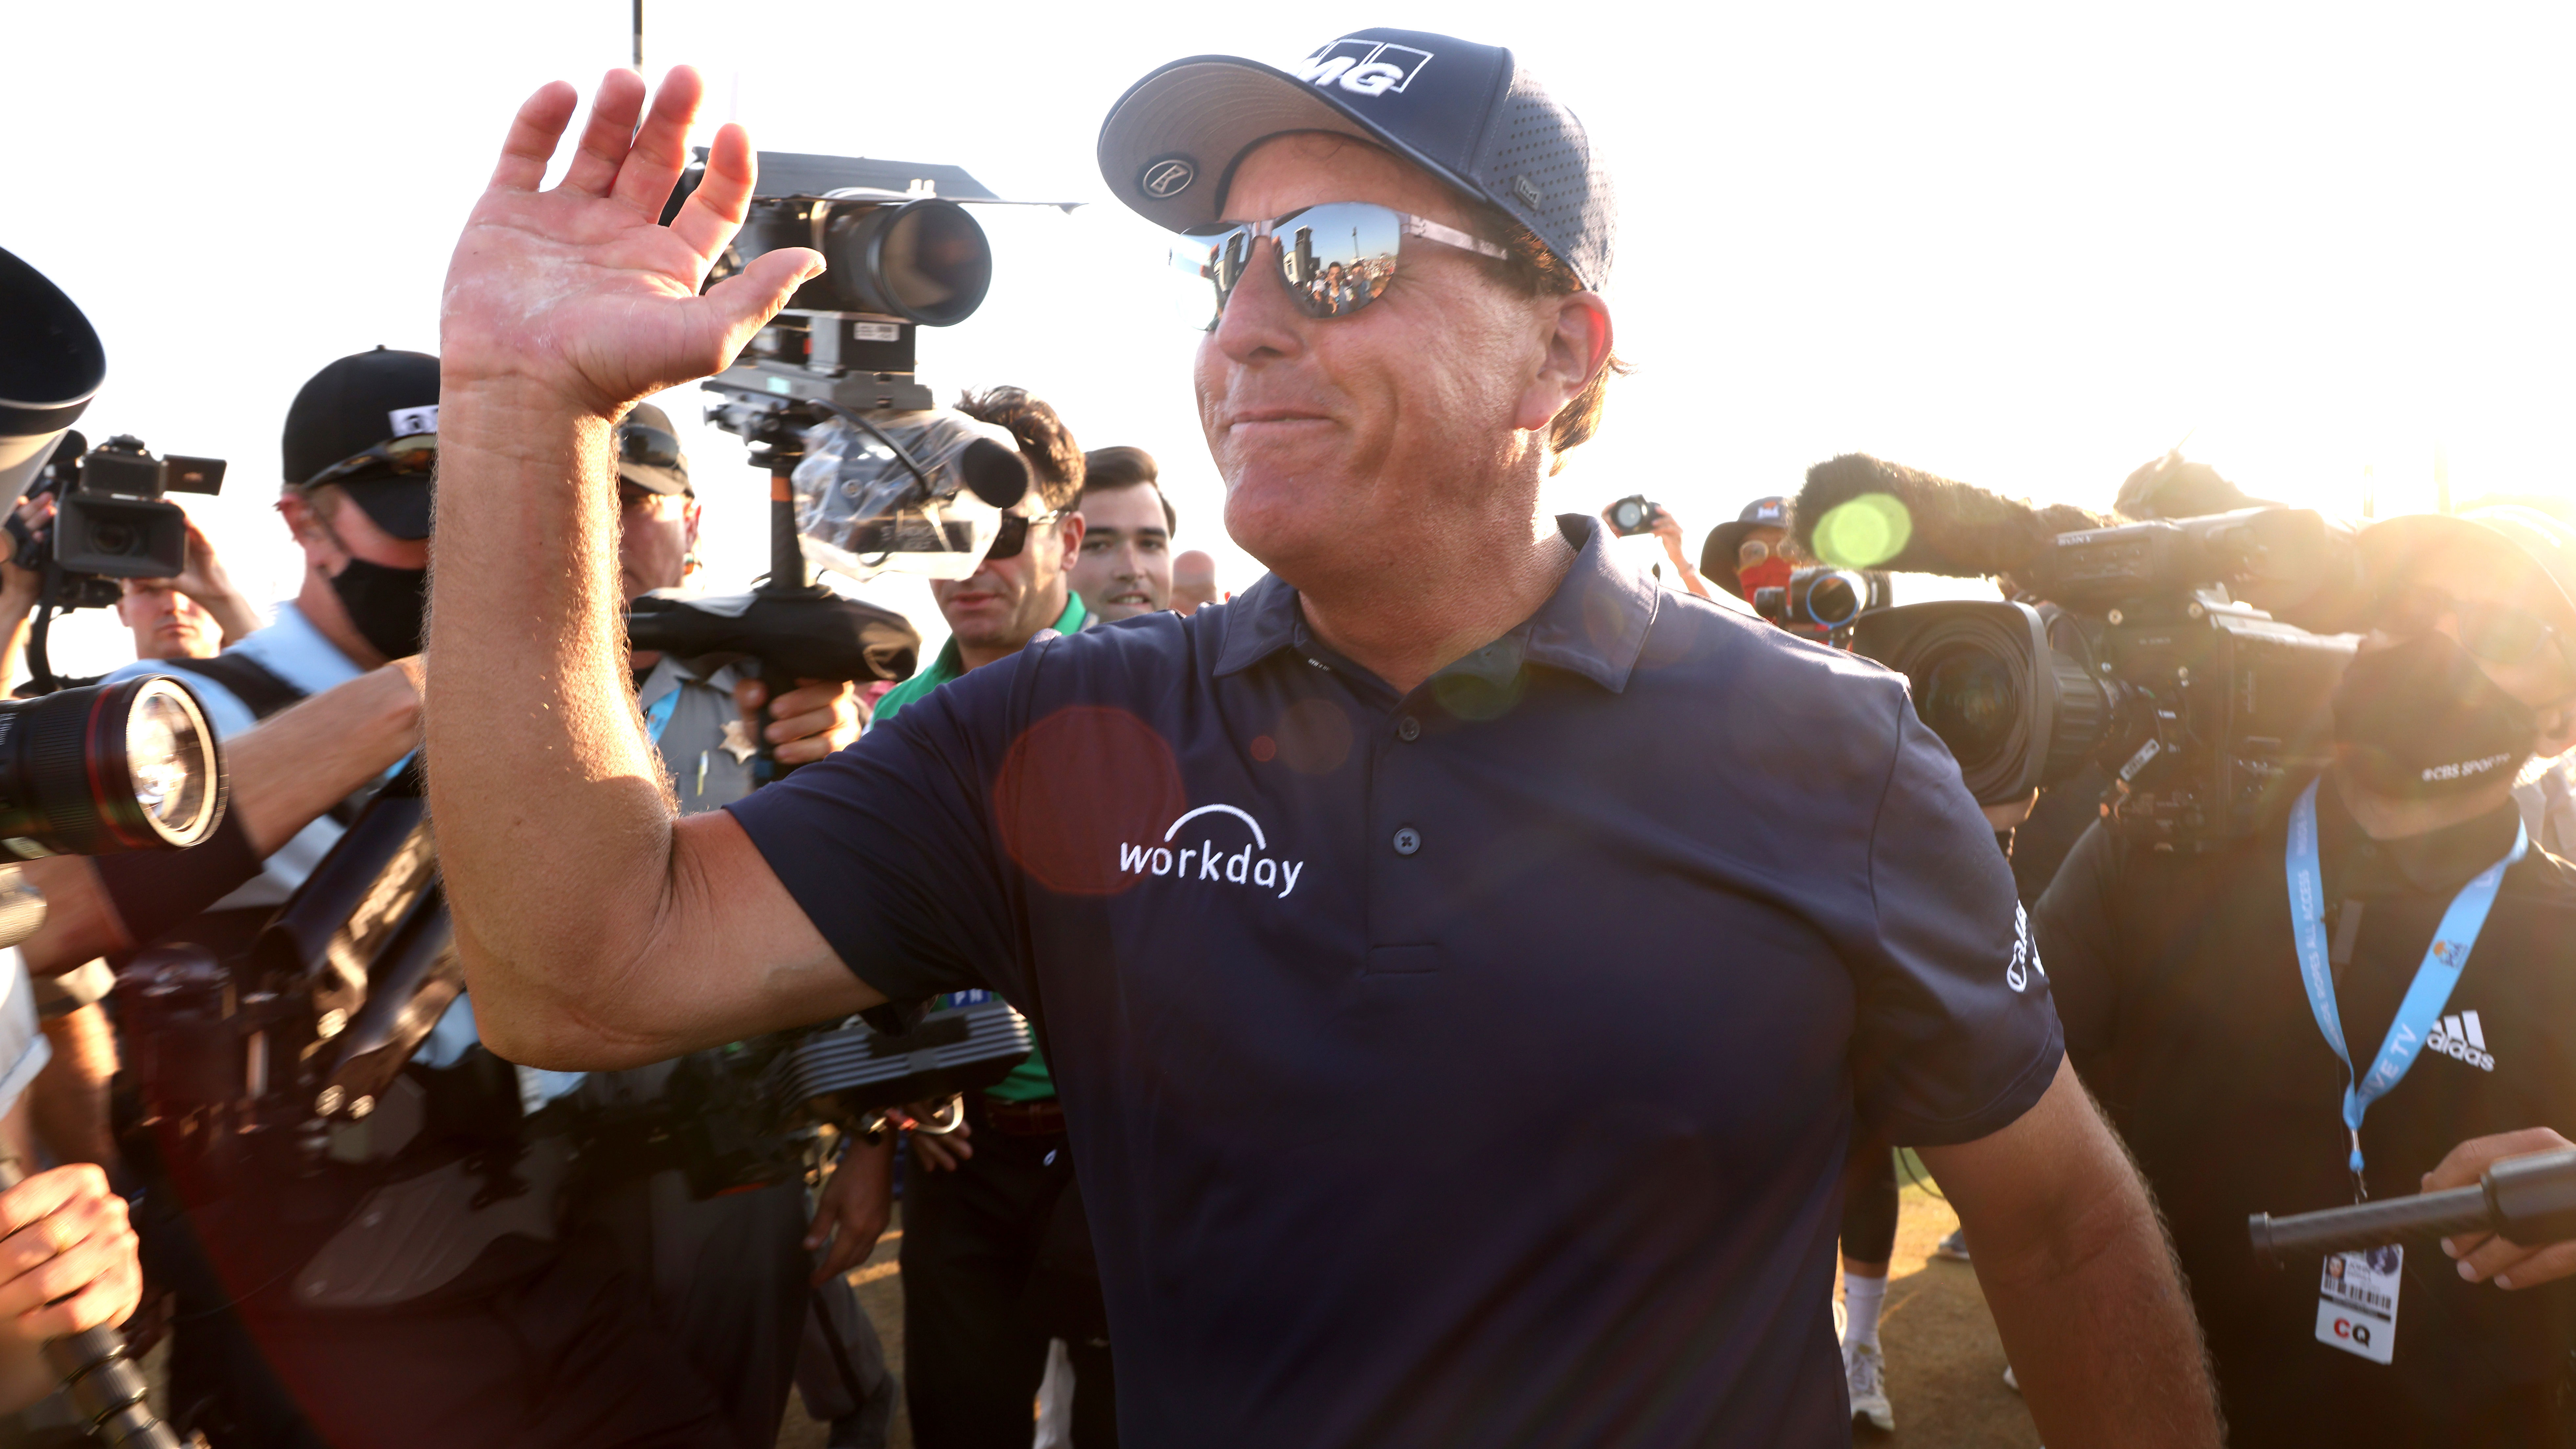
<point>385,604</point>
<point>2422,720</point>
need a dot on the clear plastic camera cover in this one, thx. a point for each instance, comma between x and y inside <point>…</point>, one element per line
<point>862,511</point>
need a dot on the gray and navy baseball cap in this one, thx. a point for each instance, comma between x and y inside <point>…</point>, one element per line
<point>1717,554</point>
<point>1469,114</point>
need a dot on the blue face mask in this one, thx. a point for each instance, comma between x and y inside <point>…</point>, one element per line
<point>2421,720</point>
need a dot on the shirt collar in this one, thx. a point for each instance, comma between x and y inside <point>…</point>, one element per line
<point>951,663</point>
<point>673,671</point>
<point>1594,624</point>
<point>2434,862</point>
<point>295,651</point>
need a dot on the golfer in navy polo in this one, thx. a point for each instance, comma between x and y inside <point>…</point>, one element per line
<point>1463,964</point>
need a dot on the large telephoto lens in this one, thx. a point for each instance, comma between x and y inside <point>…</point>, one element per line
<point>125,766</point>
<point>2015,713</point>
<point>50,365</point>
<point>923,261</point>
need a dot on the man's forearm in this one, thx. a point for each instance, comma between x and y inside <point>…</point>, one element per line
<point>2082,1284</point>
<point>533,735</point>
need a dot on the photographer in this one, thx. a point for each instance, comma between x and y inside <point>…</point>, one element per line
<point>2318,1012</point>
<point>978,1212</point>
<point>1668,532</point>
<point>195,615</point>
<point>731,1276</point>
<point>1396,1114</point>
<point>1124,570</point>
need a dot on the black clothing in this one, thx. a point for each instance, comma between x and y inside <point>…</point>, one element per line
<point>973,1351</point>
<point>1870,1206</point>
<point>2178,982</point>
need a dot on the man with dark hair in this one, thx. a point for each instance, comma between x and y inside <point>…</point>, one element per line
<point>1125,568</point>
<point>1462,964</point>
<point>978,1212</point>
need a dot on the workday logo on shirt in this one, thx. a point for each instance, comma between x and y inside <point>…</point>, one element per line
<point>1201,846</point>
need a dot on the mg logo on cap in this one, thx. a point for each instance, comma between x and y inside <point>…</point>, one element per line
<point>1364,67</point>
<point>1168,177</point>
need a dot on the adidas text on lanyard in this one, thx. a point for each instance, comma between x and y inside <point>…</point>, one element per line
<point>2425,998</point>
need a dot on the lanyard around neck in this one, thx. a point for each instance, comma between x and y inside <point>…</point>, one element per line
<point>2444,960</point>
<point>657,715</point>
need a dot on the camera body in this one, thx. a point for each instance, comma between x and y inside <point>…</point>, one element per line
<point>2127,648</point>
<point>1633,515</point>
<point>111,518</point>
<point>1823,603</point>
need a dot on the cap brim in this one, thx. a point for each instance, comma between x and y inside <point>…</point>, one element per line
<point>1208,110</point>
<point>1717,554</point>
<point>399,506</point>
<point>2392,546</point>
<point>652,480</point>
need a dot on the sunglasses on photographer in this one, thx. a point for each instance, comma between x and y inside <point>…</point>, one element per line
<point>415,454</point>
<point>1334,259</point>
<point>649,446</point>
<point>1755,552</point>
<point>2496,633</point>
<point>1014,533</point>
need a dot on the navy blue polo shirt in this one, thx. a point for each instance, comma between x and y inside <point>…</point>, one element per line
<point>1471,1066</point>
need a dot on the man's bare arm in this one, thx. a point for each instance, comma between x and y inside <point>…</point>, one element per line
<point>596,930</point>
<point>296,765</point>
<point>2075,1266</point>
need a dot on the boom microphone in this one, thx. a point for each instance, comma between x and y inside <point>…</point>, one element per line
<point>1860,512</point>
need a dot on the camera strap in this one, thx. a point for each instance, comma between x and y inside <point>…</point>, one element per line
<point>2431,990</point>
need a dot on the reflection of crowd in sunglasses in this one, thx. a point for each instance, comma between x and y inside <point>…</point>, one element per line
<point>1343,287</point>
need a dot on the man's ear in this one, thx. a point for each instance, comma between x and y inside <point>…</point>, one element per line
<point>1576,347</point>
<point>1072,526</point>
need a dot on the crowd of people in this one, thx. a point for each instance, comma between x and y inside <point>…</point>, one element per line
<point>1478,984</point>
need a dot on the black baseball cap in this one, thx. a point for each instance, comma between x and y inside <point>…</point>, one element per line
<point>363,401</point>
<point>1469,114</point>
<point>2484,539</point>
<point>1717,555</point>
<point>644,437</point>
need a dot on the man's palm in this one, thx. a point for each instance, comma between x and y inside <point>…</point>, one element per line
<point>580,288</point>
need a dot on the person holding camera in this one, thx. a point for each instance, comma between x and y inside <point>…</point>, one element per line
<point>1124,570</point>
<point>2370,996</point>
<point>1635,515</point>
<point>195,614</point>
<point>985,1201</point>
<point>1454,1046</point>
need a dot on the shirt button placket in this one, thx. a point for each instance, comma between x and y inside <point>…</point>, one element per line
<point>1408,729</point>
<point>1407,840</point>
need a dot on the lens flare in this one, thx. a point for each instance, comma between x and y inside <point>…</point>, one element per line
<point>1865,532</point>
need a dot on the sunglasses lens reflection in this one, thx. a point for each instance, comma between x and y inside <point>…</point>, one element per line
<point>1338,258</point>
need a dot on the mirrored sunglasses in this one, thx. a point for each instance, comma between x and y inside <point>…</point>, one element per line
<point>1755,552</point>
<point>1334,259</point>
<point>649,446</point>
<point>415,454</point>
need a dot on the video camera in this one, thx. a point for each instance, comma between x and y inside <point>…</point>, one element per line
<point>2128,644</point>
<point>111,520</point>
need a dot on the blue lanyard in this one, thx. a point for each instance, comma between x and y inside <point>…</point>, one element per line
<point>2444,960</point>
<point>657,715</point>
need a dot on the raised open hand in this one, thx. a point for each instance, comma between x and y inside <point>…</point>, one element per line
<point>578,294</point>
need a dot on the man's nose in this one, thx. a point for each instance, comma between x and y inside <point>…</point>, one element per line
<point>1259,319</point>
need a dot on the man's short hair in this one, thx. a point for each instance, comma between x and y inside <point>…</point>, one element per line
<point>1105,469</point>
<point>1539,272</point>
<point>1043,438</point>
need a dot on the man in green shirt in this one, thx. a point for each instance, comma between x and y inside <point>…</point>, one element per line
<point>978,1213</point>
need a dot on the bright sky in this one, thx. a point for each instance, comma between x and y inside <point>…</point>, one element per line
<point>2029,247</point>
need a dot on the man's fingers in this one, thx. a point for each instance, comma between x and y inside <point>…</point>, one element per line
<point>746,301</point>
<point>715,210</point>
<point>608,136</point>
<point>43,1195</point>
<point>661,146</point>
<point>2465,1162</point>
<point>533,134</point>
<point>2544,1266</point>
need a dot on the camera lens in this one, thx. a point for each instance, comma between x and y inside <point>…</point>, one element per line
<point>1629,514</point>
<point>123,766</point>
<point>923,261</point>
<point>1835,599</point>
<point>1971,697</point>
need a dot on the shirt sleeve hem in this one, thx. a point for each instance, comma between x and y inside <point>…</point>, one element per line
<point>2004,1109</point>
